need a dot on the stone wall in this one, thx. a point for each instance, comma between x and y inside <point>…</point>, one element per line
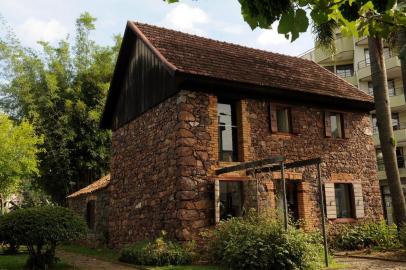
<point>353,157</point>
<point>97,236</point>
<point>143,176</point>
<point>163,165</point>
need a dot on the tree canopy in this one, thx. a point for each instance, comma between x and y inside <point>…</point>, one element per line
<point>62,89</point>
<point>18,153</point>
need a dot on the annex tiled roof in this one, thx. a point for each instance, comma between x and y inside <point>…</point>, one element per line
<point>220,60</point>
<point>99,184</point>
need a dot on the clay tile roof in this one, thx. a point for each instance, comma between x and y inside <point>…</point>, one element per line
<point>99,184</point>
<point>220,60</point>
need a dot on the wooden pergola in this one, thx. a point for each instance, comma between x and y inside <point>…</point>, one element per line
<point>277,163</point>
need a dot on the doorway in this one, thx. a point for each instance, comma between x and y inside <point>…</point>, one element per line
<point>292,200</point>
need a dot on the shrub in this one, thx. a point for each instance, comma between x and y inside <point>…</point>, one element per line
<point>366,235</point>
<point>260,242</point>
<point>41,229</point>
<point>158,252</point>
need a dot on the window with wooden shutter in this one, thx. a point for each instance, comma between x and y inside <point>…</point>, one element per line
<point>358,200</point>
<point>327,124</point>
<point>330,198</point>
<point>273,124</point>
<point>295,120</point>
<point>347,125</point>
<point>216,201</point>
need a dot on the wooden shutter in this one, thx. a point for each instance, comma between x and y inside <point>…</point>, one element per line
<point>295,120</point>
<point>273,124</point>
<point>330,196</point>
<point>346,125</point>
<point>327,124</point>
<point>358,200</point>
<point>216,201</point>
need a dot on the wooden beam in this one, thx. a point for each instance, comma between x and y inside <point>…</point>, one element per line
<point>250,165</point>
<point>291,165</point>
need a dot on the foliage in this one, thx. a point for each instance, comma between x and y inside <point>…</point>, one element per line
<point>41,229</point>
<point>61,89</point>
<point>158,252</point>
<point>260,242</point>
<point>377,18</point>
<point>18,154</point>
<point>366,235</point>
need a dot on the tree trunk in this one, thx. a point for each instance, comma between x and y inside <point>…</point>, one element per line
<point>401,45</point>
<point>384,122</point>
<point>1,205</point>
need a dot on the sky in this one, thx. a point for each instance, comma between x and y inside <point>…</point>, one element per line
<point>52,20</point>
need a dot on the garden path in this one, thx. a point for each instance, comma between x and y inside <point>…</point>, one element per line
<point>83,262</point>
<point>370,264</point>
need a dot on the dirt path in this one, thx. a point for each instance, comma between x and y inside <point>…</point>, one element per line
<point>370,264</point>
<point>89,263</point>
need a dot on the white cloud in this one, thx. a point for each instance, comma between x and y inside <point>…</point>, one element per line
<point>33,30</point>
<point>270,37</point>
<point>187,19</point>
<point>234,29</point>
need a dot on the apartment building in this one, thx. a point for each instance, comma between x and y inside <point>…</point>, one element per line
<point>351,62</point>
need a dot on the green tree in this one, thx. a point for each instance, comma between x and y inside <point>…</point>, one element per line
<point>61,89</point>
<point>376,19</point>
<point>18,155</point>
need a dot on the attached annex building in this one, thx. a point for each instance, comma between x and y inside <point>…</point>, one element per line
<point>181,106</point>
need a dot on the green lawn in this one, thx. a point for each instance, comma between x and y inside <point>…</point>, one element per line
<point>17,262</point>
<point>113,255</point>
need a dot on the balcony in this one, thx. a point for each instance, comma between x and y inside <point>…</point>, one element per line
<point>352,80</point>
<point>392,63</point>
<point>399,133</point>
<point>344,51</point>
<point>397,101</point>
<point>401,166</point>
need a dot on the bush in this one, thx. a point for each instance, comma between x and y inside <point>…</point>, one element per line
<point>260,242</point>
<point>158,252</point>
<point>366,235</point>
<point>41,229</point>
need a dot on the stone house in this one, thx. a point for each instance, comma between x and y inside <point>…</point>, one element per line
<point>182,106</point>
<point>92,203</point>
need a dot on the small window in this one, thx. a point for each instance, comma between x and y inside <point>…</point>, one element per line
<point>391,88</point>
<point>283,120</point>
<point>336,122</point>
<point>227,128</point>
<point>395,122</point>
<point>367,58</point>
<point>231,199</point>
<point>344,196</point>
<point>90,214</point>
<point>345,71</point>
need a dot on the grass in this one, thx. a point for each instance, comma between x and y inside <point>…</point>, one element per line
<point>17,262</point>
<point>113,255</point>
<point>100,253</point>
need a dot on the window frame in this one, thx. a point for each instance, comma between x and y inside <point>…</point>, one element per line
<point>345,71</point>
<point>351,202</point>
<point>241,191</point>
<point>288,113</point>
<point>273,123</point>
<point>341,117</point>
<point>234,131</point>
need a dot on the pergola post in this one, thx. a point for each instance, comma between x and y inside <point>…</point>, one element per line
<point>323,214</point>
<point>285,202</point>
